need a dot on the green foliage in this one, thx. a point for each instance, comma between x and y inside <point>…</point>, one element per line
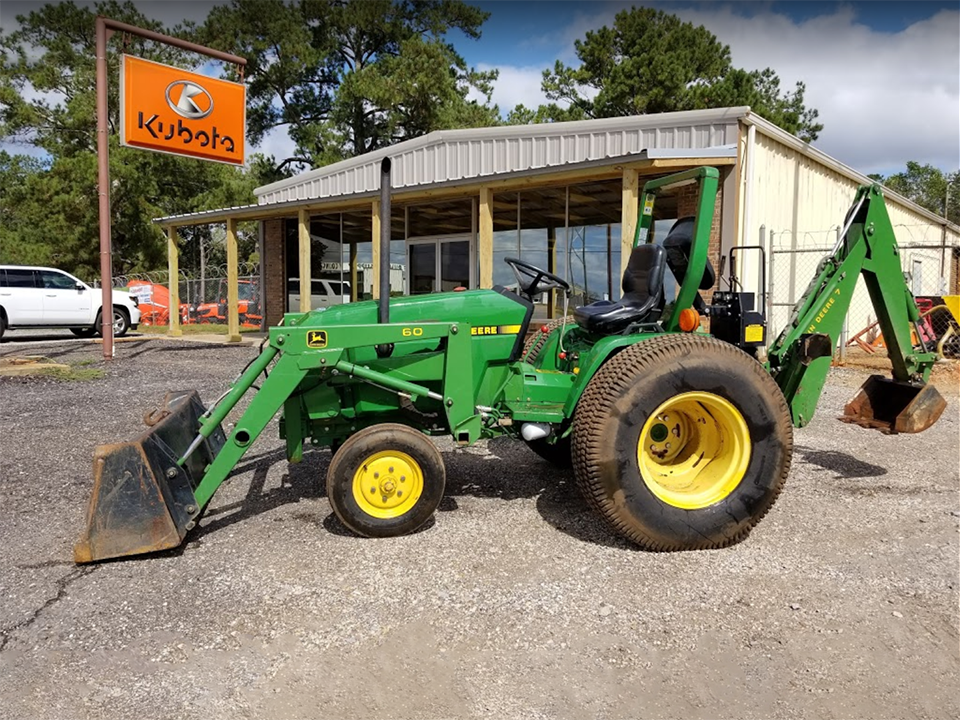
<point>652,62</point>
<point>927,186</point>
<point>47,100</point>
<point>346,77</point>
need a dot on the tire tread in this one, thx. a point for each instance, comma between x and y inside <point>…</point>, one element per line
<point>610,382</point>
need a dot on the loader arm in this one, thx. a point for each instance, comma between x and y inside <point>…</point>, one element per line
<point>800,357</point>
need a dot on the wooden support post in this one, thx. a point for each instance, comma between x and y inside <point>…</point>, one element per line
<point>485,237</point>
<point>375,241</point>
<point>552,267</point>
<point>630,198</point>
<point>609,262</point>
<point>233,295</point>
<point>353,272</point>
<point>306,288</point>
<point>173,271</point>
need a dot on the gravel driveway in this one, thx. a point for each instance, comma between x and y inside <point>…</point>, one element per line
<point>515,603</point>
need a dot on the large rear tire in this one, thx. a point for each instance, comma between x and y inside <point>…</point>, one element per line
<point>682,442</point>
<point>386,480</point>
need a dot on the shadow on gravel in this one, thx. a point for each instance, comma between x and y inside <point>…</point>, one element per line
<point>300,481</point>
<point>843,465</point>
<point>558,500</point>
<point>468,474</point>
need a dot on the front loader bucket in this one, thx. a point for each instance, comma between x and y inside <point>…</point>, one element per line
<point>142,500</point>
<point>894,407</point>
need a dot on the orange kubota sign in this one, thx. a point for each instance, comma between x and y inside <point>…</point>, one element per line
<point>174,111</point>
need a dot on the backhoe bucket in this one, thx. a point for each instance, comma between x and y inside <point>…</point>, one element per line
<point>142,500</point>
<point>894,407</point>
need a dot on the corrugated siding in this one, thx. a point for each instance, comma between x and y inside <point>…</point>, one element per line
<point>803,204</point>
<point>455,156</point>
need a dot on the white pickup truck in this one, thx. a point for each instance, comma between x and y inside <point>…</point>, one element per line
<point>41,297</point>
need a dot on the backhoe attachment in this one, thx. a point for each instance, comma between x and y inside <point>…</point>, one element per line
<point>894,407</point>
<point>801,356</point>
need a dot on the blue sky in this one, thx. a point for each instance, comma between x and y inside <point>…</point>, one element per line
<point>885,76</point>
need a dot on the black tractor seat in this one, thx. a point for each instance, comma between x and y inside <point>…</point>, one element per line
<point>642,299</point>
<point>679,243</point>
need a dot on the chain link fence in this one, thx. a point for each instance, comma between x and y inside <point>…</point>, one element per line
<point>203,299</point>
<point>927,266</point>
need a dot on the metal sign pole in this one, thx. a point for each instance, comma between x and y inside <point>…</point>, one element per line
<point>103,190</point>
<point>104,29</point>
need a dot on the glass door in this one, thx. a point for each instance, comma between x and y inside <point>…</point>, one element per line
<point>454,264</point>
<point>440,264</point>
<point>423,267</point>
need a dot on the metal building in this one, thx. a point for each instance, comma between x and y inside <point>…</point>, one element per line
<point>563,196</point>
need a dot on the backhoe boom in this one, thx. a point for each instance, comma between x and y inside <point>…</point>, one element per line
<point>800,357</point>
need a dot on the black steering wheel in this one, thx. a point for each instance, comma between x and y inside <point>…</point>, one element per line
<point>532,281</point>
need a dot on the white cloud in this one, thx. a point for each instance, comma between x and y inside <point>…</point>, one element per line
<point>515,86</point>
<point>884,98</point>
<point>275,142</point>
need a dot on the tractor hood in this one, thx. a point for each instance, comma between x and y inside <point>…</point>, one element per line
<point>492,311</point>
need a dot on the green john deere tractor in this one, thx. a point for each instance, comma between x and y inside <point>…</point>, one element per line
<point>678,438</point>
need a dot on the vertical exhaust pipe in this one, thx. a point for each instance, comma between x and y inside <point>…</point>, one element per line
<point>383,310</point>
<point>383,315</point>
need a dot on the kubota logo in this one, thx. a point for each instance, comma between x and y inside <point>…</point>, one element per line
<point>189,100</point>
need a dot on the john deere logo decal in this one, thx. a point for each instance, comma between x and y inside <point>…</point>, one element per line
<point>495,330</point>
<point>317,339</point>
<point>189,100</point>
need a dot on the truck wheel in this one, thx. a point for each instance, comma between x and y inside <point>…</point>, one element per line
<point>682,442</point>
<point>121,323</point>
<point>84,332</point>
<point>386,480</point>
<point>3,322</point>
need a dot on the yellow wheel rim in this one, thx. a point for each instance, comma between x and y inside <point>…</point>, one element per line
<point>387,484</point>
<point>694,450</point>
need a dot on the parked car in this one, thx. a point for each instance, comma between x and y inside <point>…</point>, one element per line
<point>41,297</point>
<point>323,293</point>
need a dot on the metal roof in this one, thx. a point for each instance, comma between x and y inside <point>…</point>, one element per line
<point>451,156</point>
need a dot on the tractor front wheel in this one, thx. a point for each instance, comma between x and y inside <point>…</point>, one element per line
<point>682,442</point>
<point>386,480</point>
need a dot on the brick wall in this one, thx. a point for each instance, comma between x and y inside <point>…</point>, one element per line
<point>687,205</point>
<point>274,263</point>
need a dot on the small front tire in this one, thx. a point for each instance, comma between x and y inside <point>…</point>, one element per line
<point>386,480</point>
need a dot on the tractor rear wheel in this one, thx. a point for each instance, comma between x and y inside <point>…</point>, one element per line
<point>682,442</point>
<point>386,480</point>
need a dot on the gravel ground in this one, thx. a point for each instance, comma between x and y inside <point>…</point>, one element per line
<point>515,603</point>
